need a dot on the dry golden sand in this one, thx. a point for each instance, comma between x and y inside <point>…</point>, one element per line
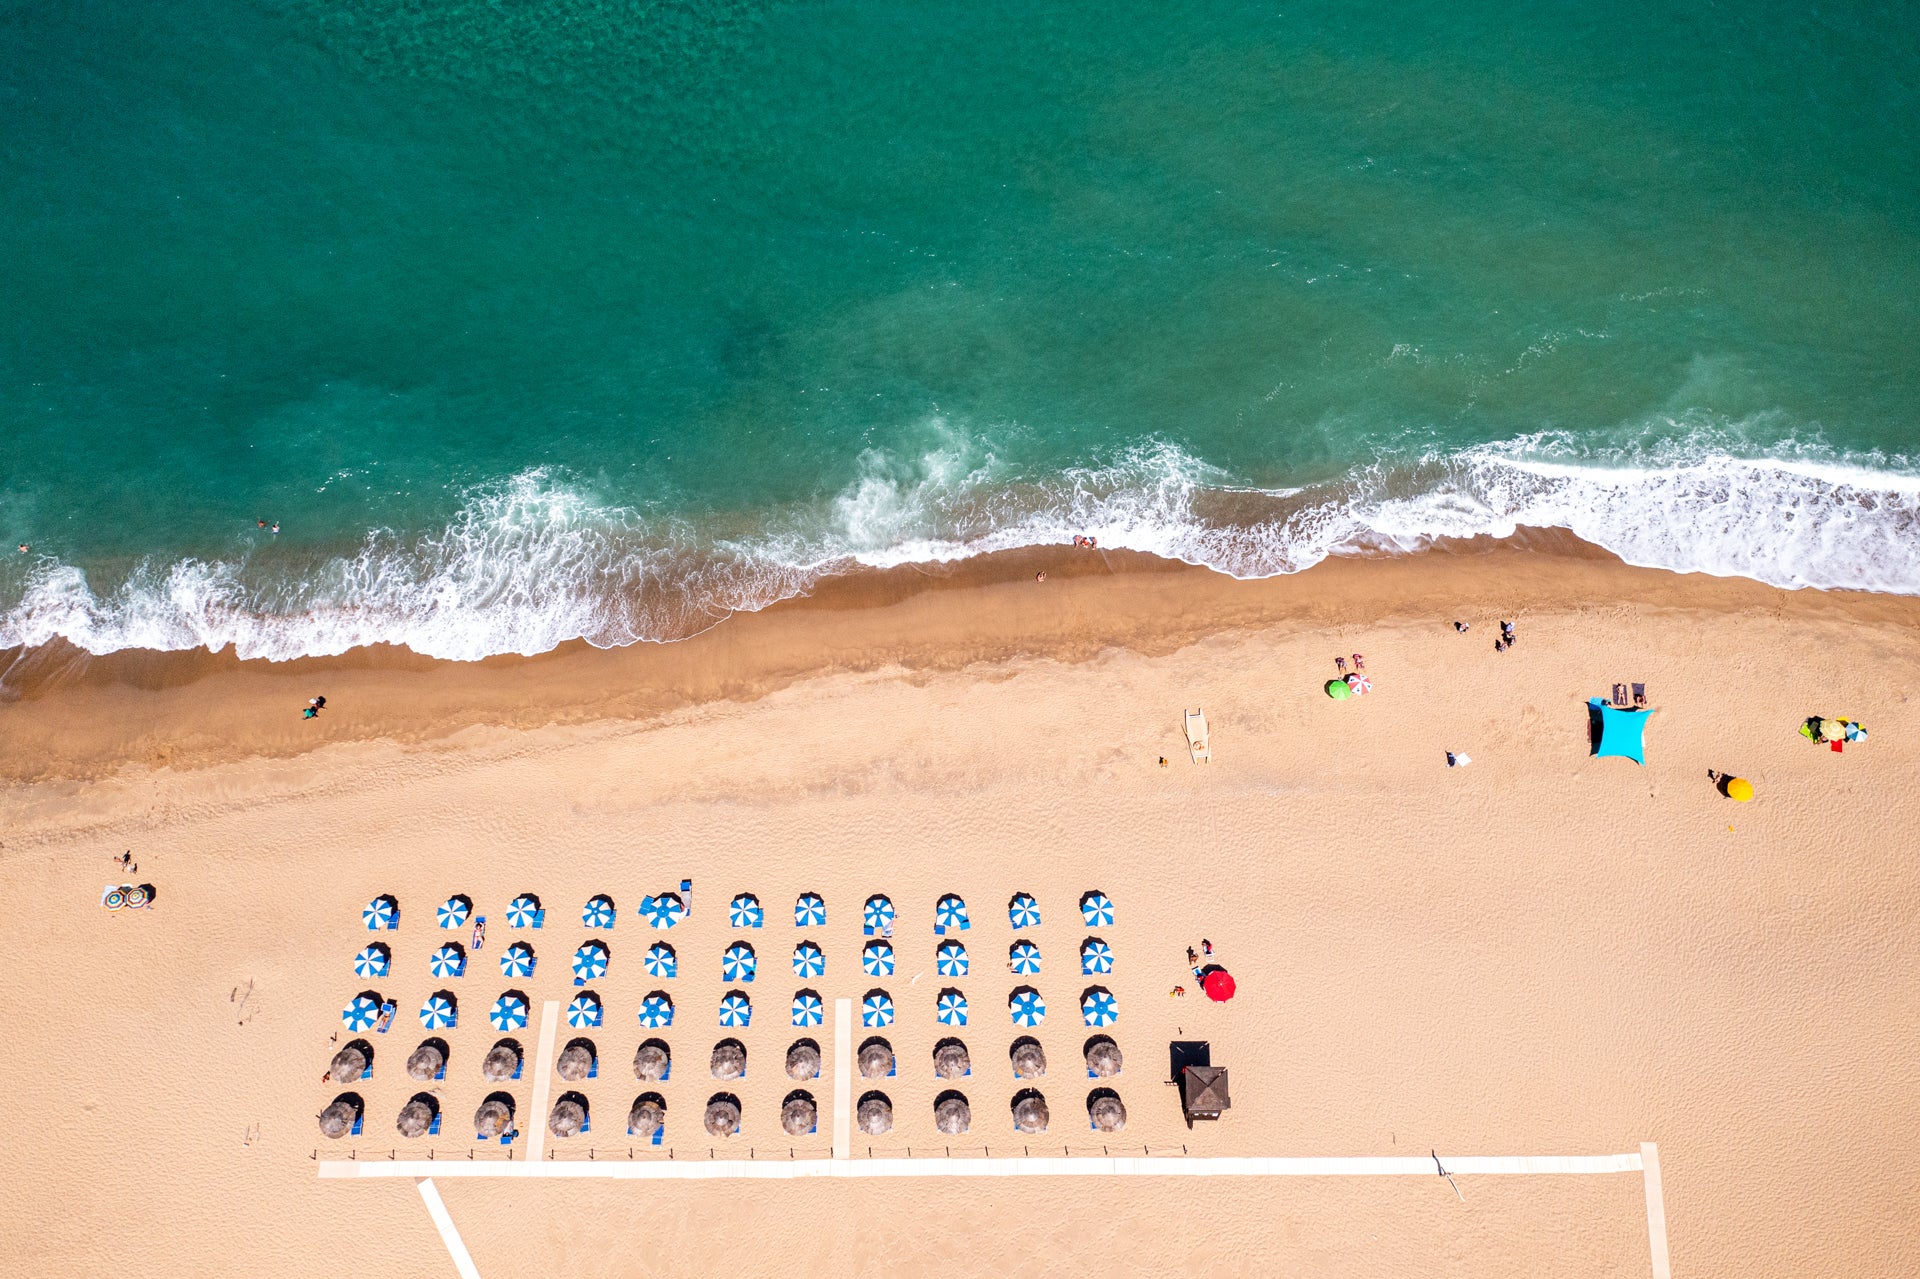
<point>1541,954</point>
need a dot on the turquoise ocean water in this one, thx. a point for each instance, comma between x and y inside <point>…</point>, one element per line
<point>537,319</point>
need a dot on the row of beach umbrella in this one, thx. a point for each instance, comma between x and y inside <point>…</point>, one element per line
<point>665,910</point>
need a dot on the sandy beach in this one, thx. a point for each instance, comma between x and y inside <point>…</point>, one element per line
<point>1541,954</point>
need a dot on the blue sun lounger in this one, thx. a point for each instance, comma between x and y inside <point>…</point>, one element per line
<point>540,918</point>
<point>356,1125</point>
<point>433,1129</point>
<point>385,1021</point>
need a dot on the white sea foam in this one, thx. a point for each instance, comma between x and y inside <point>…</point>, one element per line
<point>532,562</point>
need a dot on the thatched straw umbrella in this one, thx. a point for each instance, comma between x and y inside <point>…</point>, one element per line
<point>875,1114</point>
<point>876,1059</point>
<point>493,1119</point>
<point>575,1062</point>
<point>500,1063</point>
<point>803,1060</point>
<point>1108,1112</point>
<point>336,1121</point>
<point>729,1059</point>
<point>799,1116</point>
<point>950,1060</point>
<point>952,1116</point>
<point>646,1117</point>
<point>650,1063</point>
<point>1103,1058</point>
<point>723,1117</point>
<point>566,1117</point>
<point>425,1063</point>
<point>415,1118</point>
<point>1029,1061</point>
<point>1030,1113</point>
<point>348,1065</point>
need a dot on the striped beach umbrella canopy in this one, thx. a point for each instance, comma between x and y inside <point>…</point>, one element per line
<point>876,1009</point>
<point>809,911</point>
<point>663,911</point>
<point>509,1012</point>
<point>1097,909</point>
<point>735,1009</point>
<point>381,913</point>
<point>522,910</point>
<point>589,962</point>
<point>656,1010</point>
<point>950,957</point>
<point>453,912</point>
<point>1098,1007</point>
<point>439,1012</point>
<point>372,961</point>
<point>877,916</point>
<point>584,1011</point>
<point>807,1009</point>
<point>738,963</point>
<point>660,961</point>
<point>1024,957</point>
<point>517,960</point>
<point>598,912</point>
<point>361,1012</point>
<point>448,961</point>
<point>952,1008</point>
<point>950,913</point>
<point>808,961</point>
<point>1095,956</point>
<point>876,959</point>
<point>1023,911</point>
<point>744,911</point>
<point>1027,1007</point>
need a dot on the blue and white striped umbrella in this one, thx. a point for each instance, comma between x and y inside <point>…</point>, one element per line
<point>589,962</point>
<point>951,912</point>
<point>453,912</point>
<point>584,1011</point>
<point>438,1013</point>
<point>876,959</point>
<point>517,960</point>
<point>807,1009</point>
<point>950,957</point>
<point>876,1009</point>
<point>660,961</point>
<point>372,961</point>
<point>1097,910</point>
<point>877,917</point>
<point>809,911</point>
<point>598,912</point>
<point>808,961</point>
<point>380,914</point>
<point>1023,911</point>
<point>1099,1008</point>
<point>735,1009</point>
<point>509,1012</point>
<point>744,911</point>
<point>1025,958</point>
<point>1027,1007</point>
<point>1095,956</point>
<point>663,911</point>
<point>361,1012</point>
<point>656,1010</point>
<point>448,961</point>
<point>738,963</point>
<point>521,911</point>
<point>952,1008</point>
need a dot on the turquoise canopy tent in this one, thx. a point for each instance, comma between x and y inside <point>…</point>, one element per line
<point>1619,731</point>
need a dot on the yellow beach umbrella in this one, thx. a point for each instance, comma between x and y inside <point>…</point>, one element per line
<point>1739,788</point>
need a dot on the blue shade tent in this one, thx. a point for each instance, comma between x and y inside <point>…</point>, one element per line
<point>656,1010</point>
<point>876,959</point>
<point>361,1012</point>
<point>1026,1006</point>
<point>738,963</point>
<point>509,1012</point>
<point>453,912</point>
<point>660,961</point>
<point>950,957</point>
<point>809,911</point>
<point>808,961</point>
<point>876,1009</point>
<point>1095,956</point>
<point>589,963</point>
<point>950,914</point>
<point>1023,911</point>
<point>372,961</point>
<point>807,1009</point>
<point>448,961</point>
<point>584,1011</point>
<point>663,911</point>
<point>735,1009</point>
<point>1097,910</point>
<point>744,912</point>
<point>522,911</point>
<point>517,960</point>
<point>952,1008</point>
<point>598,912</point>
<point>1098,1007</point>
<point>877,915</point>
<point>1620,731</point>
<point>1024,958</point>
<point>439,1012</point>
<point>381,914</point>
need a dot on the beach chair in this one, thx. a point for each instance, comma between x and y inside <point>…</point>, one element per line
<point>1199,746</point>
<point>440,1074</point>
<point>540,918</point>
<point>1621,698</point>
<point>357,1120</point>
<point>586,1124</point>
<point>1640,695</point>
<point>381,1026</point>
<point>479,933</point>
<point>517,1068</point>
<point>433,1129</point>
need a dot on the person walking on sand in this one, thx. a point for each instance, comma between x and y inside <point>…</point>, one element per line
<point>1192,958</point>
<point>1206,946</point>
<point>1506,633</point>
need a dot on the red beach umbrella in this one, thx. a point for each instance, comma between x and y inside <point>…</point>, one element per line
<point>1219,985</point>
